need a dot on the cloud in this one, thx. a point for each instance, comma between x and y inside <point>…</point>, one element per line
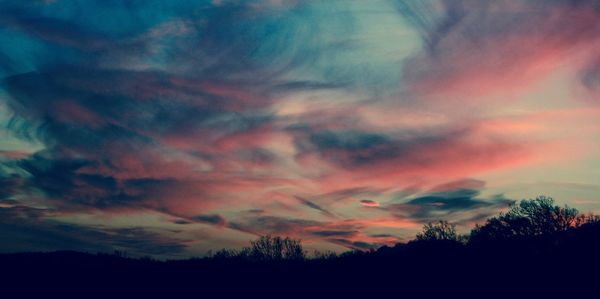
<point>156,113</point>
<point>22,226</point>
<point>369,203</point>
<point>590,78</point>
<point>348,194</point>
<point>329,233</point>
<point>356,245</point>
<point>213,219</point>
<point>482,48</point>
<point>450,200</point>
<point>313,205</point>
<point>104,140</point>
<point>303,112</point>
<point>463,184</point>
<point>377,158</point>
<point>348,233</point>
<point>10,186</point>
<point>273,224</point>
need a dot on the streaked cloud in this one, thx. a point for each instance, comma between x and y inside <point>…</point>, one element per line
<point>345,123</point>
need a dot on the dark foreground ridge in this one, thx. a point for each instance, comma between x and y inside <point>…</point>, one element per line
<point>535,248</point>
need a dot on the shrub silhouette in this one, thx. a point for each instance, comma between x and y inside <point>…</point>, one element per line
<point>226,254</point>
<point>324,255</point>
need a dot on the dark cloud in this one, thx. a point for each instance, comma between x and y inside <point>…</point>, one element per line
<point>356,245</point>
<point>182,221</point>
<point>57,31</point>
<point>273,225</point>
<point>405,152</point>
<point>334,233</point>
<point>431,21</point>
<point>590,77</point>
<point>101,126</point>
<point>258,156</point>
<point>383,236</point>
<point>114,104</point>
<point>17,211</point>
<point>65,182</point>
<point>59,180</point>
<point>314,206</point>
<point>454,200</point>
<point>351,149</point>
<point>464,184</point>
<point>227,40</point>
<point>22,227</point>
<point>448,199</point>
<point>10,186</point>
<point>213,219</point>
<point>346,194</point>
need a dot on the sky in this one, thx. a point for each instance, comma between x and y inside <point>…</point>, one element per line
<point>173,128</point>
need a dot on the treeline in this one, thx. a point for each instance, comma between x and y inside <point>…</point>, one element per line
<point>535,226</point>
<point>535,246</point>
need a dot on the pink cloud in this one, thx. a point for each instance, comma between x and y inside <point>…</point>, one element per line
<point>484,55</point>
<point>369,203</point>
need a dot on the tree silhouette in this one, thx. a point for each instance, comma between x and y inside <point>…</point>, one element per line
<point>529,218</point>
<point>268,248</point>
<point>438,231</point>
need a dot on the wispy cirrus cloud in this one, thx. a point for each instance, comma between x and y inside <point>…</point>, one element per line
<point>481,48</point>
<point>461,202</point>
<point>344,123</point>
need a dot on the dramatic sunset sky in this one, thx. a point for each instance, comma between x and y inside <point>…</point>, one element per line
<point>170,128</point>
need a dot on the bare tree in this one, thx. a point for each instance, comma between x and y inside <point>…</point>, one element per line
<point>276,248</point>
<point>437,231</point>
